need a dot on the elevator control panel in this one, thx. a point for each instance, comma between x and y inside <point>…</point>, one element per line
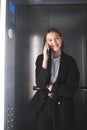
<point>10,117</point>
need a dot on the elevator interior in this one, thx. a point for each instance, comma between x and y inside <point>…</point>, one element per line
<point>30,21</point>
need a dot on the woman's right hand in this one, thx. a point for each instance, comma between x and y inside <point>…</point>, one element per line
<point>45,51</point>
<point>45,55</point>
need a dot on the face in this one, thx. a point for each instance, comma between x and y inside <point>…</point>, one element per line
<point>54,41</point>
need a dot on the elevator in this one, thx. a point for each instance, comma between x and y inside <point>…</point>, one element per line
<point>28,22</point>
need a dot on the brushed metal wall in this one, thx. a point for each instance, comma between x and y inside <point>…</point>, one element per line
<point>49,2</point>
<point>31,24</point>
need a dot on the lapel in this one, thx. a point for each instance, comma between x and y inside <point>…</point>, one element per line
<point>63,68</point>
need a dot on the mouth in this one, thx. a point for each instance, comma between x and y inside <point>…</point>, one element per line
<point>54,46</point>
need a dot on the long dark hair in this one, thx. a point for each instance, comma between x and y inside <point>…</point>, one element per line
<point>56,31</point>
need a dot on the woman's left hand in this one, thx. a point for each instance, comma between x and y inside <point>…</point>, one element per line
<point>50,86</point>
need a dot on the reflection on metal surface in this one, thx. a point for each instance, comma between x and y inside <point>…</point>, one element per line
<point>82,89</point>
<point>34,50</point>
<point>10,33</point>
<point>50,2</point>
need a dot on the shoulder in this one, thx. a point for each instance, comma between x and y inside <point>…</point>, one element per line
<point>39,58</point>
<point>68,60</point>
<point>67,57</point>
<point>71,63</point>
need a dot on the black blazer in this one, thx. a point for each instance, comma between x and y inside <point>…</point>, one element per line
<point>65,86</point>
<point>68,76</point>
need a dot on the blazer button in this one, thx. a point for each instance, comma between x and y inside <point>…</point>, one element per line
<point>59,103</point>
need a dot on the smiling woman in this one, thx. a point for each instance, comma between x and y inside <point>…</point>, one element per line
<point>2,60</point>
<point>57,77</point>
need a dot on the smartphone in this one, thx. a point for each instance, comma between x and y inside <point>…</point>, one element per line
<point>49,49</point>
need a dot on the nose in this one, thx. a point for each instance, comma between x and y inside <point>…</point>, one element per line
<point>54,41</point>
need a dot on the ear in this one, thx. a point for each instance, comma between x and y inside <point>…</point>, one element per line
<point>62,39</point>
<point>62,43</point>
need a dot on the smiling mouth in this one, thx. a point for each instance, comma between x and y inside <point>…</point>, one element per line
<point>55,46</point>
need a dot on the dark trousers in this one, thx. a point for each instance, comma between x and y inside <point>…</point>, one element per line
<point>46,118</point>
<point>44,122</point>
<point>54,116</point>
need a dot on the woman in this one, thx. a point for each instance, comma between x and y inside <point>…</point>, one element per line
<point>58,75</point>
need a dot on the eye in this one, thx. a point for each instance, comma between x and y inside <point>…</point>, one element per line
<point>57,38</point>
<point>49,40</point>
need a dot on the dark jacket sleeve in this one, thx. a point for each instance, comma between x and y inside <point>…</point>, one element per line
<point>73,78</point>
<point>42,75</point>
<point>68,78</point>
<point>71,83</point>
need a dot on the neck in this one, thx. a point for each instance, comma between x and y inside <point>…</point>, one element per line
<point>57,54</point>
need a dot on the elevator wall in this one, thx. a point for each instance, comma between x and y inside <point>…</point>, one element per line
<point>31,24</point>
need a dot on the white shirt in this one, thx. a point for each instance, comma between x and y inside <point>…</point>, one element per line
<point>54,69</point>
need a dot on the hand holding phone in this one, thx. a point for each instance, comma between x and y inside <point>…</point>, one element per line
<point>49,49</point>
<point>46,51</point>
<point>46,55</point>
